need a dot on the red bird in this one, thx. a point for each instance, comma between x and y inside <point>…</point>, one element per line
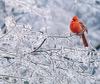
<point>78,27</point>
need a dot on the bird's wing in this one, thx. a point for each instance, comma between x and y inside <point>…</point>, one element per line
<point>84,27</point>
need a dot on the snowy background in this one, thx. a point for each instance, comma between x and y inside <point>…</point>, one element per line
<point>36,46</point>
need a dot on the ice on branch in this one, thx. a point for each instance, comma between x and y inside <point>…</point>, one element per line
<point>37,49</point>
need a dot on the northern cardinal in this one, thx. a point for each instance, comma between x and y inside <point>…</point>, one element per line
<point>79,28</point>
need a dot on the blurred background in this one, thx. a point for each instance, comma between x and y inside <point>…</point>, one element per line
<point>53,16</point>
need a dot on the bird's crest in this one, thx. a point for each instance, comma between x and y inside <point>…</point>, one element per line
<point>75,18</point>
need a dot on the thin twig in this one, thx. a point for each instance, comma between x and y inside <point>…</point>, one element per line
<point>7,33</point>
<point>61,36</point>
<point>39,45</point>
<point>11,76</point>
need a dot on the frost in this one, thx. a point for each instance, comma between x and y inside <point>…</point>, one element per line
<point>35,47</point>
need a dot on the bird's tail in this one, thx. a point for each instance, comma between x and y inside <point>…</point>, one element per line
<point>85,42</point>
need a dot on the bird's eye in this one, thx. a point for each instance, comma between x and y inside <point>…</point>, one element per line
<point>74,20</point>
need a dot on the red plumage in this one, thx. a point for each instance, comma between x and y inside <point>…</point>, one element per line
<point>79,28</point>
